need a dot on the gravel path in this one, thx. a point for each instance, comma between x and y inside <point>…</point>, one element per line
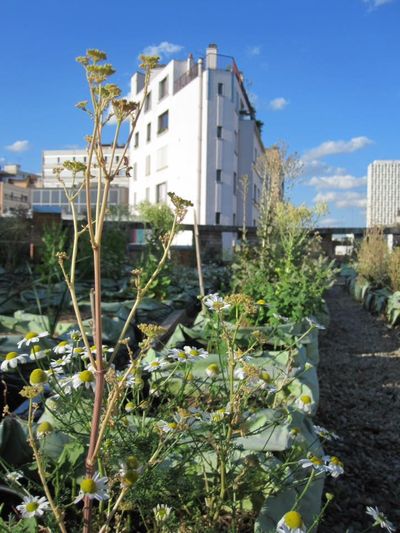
<point>360,400</point>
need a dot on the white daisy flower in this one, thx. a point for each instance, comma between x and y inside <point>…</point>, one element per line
<point>380,519</point>
<point>305,403</point>
<point>62,348</point>
<point>179,355</point>
<point>333,465</point>
<point>130,378</point>
<point>33,506</point>
<point>195,354</point>
<point>75,335</point>
<point>167,427</point>
<point>291,522</point>
<point>213,370</point>
<point>37,353</point>
<point>325,434</point>
<point>155,365</point>
<point>215,303</point>
<point>13,477</point>
<point>85,378</point>
<point>314,462</point>
<point>32,337</point>
<point>59,363</point>
<point>95,488</point>
<point>161,512</point>
<point>12,359</point>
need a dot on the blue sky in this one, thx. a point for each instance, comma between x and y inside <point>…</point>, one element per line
<point>324,76</point>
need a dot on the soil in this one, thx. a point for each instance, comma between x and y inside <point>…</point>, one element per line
<point>360,401</point>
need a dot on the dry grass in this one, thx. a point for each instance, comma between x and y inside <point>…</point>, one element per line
<point>373,258</point>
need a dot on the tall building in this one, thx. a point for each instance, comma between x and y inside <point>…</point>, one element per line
<point>51,196</point>
<point>383,197</point>
<point>197,136</point>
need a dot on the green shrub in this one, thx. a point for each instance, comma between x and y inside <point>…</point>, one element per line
<point>373,258</point>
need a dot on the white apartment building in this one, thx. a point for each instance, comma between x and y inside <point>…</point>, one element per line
<point>383,196</point>
<point>197,136</point>
<point>51,196</point>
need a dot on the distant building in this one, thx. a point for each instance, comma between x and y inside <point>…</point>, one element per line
<point>15,189</point>
<point>383,197</point>
<point>52,198</point>
<point>197,136</point>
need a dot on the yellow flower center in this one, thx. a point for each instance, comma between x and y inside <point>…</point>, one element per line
<point>37,377</point>
<point>130,477</point>
<point>265,377</point>
<point>305,399</point>
<point>260,302</point>
<point>155,364</point>
<point>182,355</point>
<point>194,353</point>
<point>172,425</point>
<point>336,461</point>
<point>132,462</point>
<point>31,507</point>
<point>35,349</point>
<point>30,335</point>
<point>316,460</point>
<point>11,355</point>
<point>213,368</point>
<point>86,376</point>
<point>78,350</point>
<point>45,427</point>
<point>293,519</point>
<point>130,406</point>
<point>88,486</point>
<point>62,344</point>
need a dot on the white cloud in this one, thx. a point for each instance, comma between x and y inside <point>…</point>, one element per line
<point>342,200</point>
<point>164,49</point>
<point>18,146</point>
<point>254,50</point>
<point>374,4</point>
<point>343,182</point>
<point>337,147</point>
<point>277,104</point>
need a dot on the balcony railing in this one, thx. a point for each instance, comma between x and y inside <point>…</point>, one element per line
<point>186,78</point>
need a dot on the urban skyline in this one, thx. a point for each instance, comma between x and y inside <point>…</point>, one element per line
<point>320,77</point>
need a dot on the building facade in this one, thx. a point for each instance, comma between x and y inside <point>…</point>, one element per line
<point>383,196</point>
<point>197,136</point>
<point>16,187</point>
<point>51,196</point>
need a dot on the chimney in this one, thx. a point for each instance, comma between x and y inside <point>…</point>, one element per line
<point>211,56</point>
<point>189,63</point>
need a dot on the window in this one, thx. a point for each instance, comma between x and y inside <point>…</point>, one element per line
<point>58,160</point>
<point>255,193</point>
<point>117,158</point>
<point>84,159</point>
<point>147,102</point>
<point>36,197</point>
<point>163,88</point>
<point>113,197</point>
<point>219,132</point>
<point>134,171</point>
<point>148,132</point>
<point>221,89</point>
<point>163,122</point>
<point>234,219</point>
<point>55,197</point>
<point>161,193</point>
<point>136,139</point>
<point>162,157</point>
<point>148,194</point>
<point>134,199</point>
<point>236,148</point>
<point>218,217</point>
<point>45,197</point>
<point>234,182</point>
<point>105,158</point>
<point>218,175</point>
<point>148,165</point>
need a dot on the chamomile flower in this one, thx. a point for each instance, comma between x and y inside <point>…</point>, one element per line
<point>31,338</point>
<point>334,466</point>
<point>62,348</point>
<point>215,303</point>
<point>12,359</point>
<point>213,370</point>
<point>179,355</point>
<point>130,471</point>
<point>305,403</point>
<point>37,353</point>
<point>161,512</point>
<point>33,506</point>
<point>291,522</point>
<point>85,378</point>
<point>167,427</point>
<point>129,380</point>
<point>155,365</point>
<point>314,462</point>
<point>380,519</point>
<point>195,354</point>
<point>62,361</point>
<point>38,377</point>
<point>44,429</point>
<point>325,434</point>
<point>95,488</point>
<point>75,335</point>
<point>14,476</point>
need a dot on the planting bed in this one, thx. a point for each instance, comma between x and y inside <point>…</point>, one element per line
<point>359,399</point>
